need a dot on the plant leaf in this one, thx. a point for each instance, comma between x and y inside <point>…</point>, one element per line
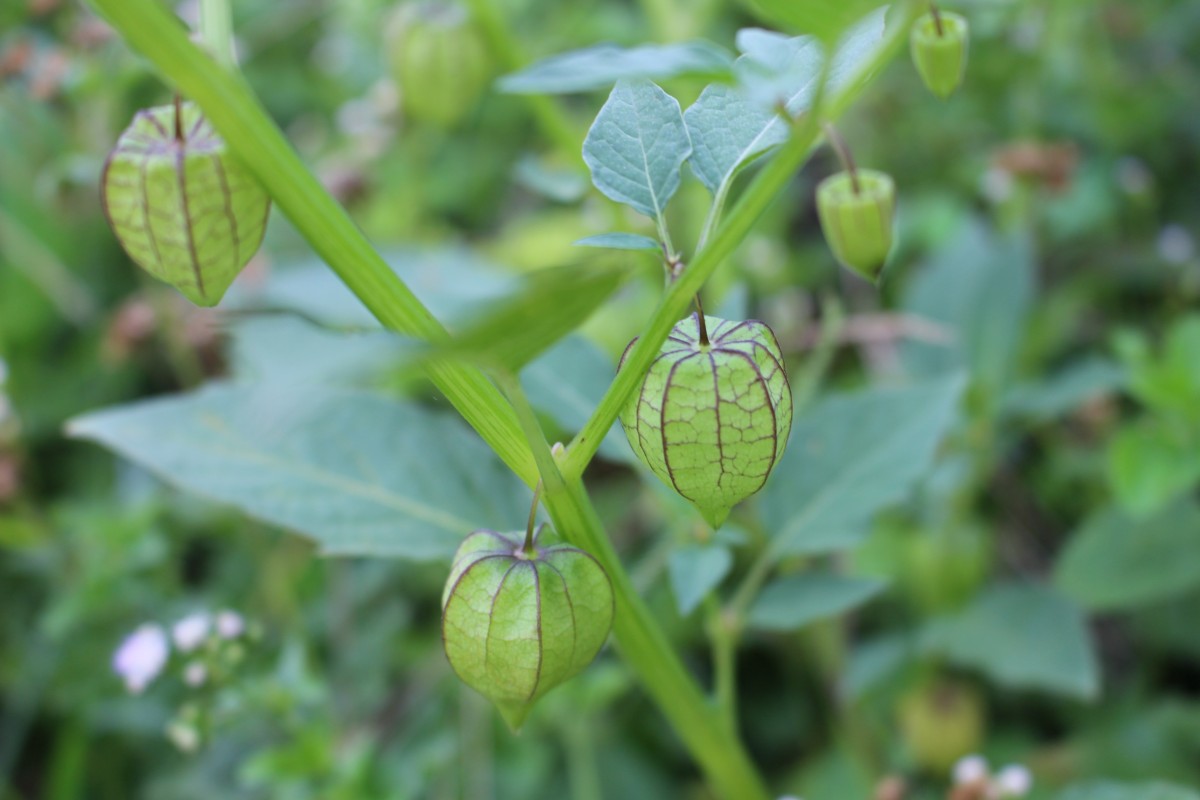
<point>550,304</point>
<point>567,382</point>
<point>358,473</point>
<point>730,126</point>
<point>1150,463</point>
<point>620,241</point>
<point>980,287</point>
<point>450,281</point>
<point>1119,562</point>
<point>636,147</point>
<point>604,64</point>
<point>1023,637</point>
<point>728,132</point>
<point>791,603</point>
<point>851,456</point>
<point>1064,391</point>
<point>695,571</point>
<point>775,68</point>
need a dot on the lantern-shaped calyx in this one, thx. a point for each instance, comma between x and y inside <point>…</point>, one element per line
<point>440,62</point>
<point>182,206</point>
<point>517,622</point>
<point>712,416</point>
<point>856,209</point>
<point>939,43</point>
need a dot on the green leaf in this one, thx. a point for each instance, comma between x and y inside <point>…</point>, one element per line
<point>1022,637</point>
<point>605,64</point>
<point>358,473</point>
<point>550,304</point>
<point>730,126</point>
<point>450,281</point>
<point>791,603</point>
<point>1167,381</point>
<point>1064,391</point>
<point>1150,463</point>
<point>695,571</point>
<point>567,382</point>
<point>728,132</point>
<point>980,287</point>
<point>1117,561</point>
<point>265,348</point>
<point>1110,790</point>
<point>636,147</point>
<point>851,456</point>
<point>621,241</point>
<point>775,68</point>
<point>825,19</point>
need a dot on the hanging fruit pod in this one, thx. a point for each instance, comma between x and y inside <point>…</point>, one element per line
<point>516,622</point>
<point>939,43</point>
<point>713,414</point>
<point>181,205</point>
<point>856,211</point>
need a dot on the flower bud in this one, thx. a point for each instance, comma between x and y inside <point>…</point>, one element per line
<point>181,205</point>
<point>856,218</point>
<point>940,52</point>
<point>712,418</point>
<point>440,62</point>
<point>515,624</point>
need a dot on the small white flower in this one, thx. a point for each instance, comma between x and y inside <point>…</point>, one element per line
<point>191,631</point>
<point>1014,780</point>
<point>195,674</point>
<point>970,769</point>
<point>141,657</point>
<point>230,624</point>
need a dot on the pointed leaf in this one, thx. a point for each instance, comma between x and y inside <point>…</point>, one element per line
<point>791,603</point>
<point>1118,562</point>
<point>620,241</point>
<point>730,126</point>
<point>851,456</point>
<point>1023,637</point>
<point>358,473</point>
<point>604,64</point>
<point>636,147</point>
<point>695,571</point>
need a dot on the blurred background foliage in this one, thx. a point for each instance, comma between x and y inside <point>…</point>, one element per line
<point>1040,588</point>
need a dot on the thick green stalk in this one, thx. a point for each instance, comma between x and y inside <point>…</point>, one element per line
<point>238,116</point>
<point>765,187</point>
<point>702,725</point>
<point>216,28</point>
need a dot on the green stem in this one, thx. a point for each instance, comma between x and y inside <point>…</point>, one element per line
<point>216,28</point>
<point>766,186</point>
<point>237,115</point>
<point>723,636</point>
<point>555,125</point>
<point>642,642</point>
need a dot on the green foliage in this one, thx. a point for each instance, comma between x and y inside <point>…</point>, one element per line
<point>791,603</point>
<point>1022,636</point>
<point>636,146</point>
<point>603,65</point>
<point>1001,434</point>
<point>851,457</point>
<point>1118,561</point>
<point>359,473</point>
